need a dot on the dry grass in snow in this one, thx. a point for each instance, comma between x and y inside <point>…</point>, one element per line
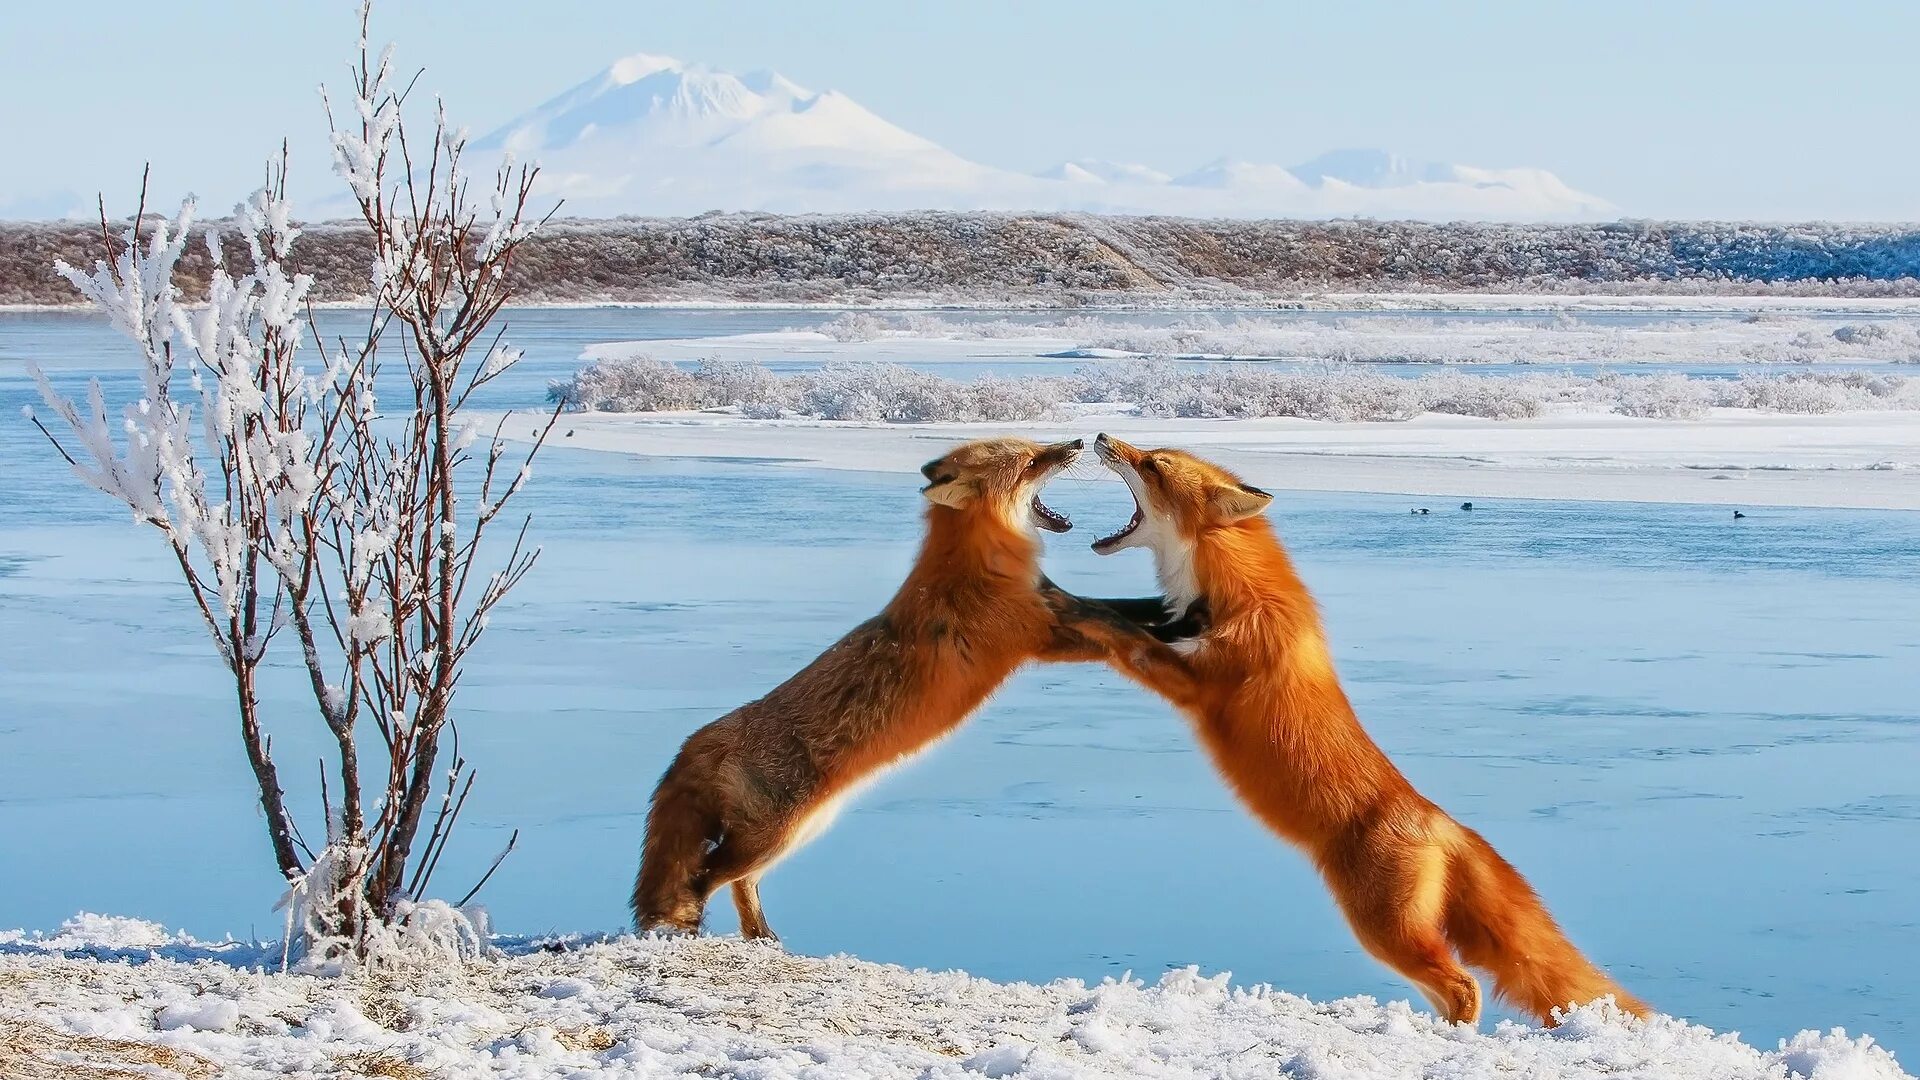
<point>722,1007</point>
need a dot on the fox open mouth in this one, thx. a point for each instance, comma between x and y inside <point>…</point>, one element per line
<point>1108,544</point>
<point>1048,518</point>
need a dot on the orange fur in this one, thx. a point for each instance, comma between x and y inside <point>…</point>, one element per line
<point>1417,887</point>
<point>754,784</point>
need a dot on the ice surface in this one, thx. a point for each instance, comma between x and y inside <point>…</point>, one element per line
<point>1696,737</point>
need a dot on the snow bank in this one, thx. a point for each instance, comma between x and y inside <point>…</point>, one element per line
<point>1410,339</point>
<point>722,1007</point>
<point>1865,460</point>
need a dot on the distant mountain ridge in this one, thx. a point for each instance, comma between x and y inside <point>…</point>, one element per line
<point>651,135</point>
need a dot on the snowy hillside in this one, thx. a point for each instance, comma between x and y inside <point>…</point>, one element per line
<point>652,135</point>
<point>630,1006</point>
<point>1083,260</point>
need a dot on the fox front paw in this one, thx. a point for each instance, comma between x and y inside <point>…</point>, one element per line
<point>1190,624</point>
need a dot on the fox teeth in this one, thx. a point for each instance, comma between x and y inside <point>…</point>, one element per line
<point>1125,530</point>
<point>1050,518</point>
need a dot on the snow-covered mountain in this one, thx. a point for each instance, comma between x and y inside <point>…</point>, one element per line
<point>652,135</point>
<point>1098,171</point>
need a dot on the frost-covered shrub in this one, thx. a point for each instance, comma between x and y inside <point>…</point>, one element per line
<point>1661,397</point>
<point>992,398</point>
<point>874,393</point>
<point>1385,339</point>
<point>758,393</point>
<point>855,326</point>
<point>1128,380</point>
<point>1342,394</point>
<point>286,477</point>
<point>1492,399</point>
<point>632,384</point>
<point>1861,333</point>
<point>1791,394</point>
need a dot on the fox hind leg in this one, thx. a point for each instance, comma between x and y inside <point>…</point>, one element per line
<point>1394,895</point>
<point>1422,956</point>
<point>739,861</point>
<point>682,826</point>
<point>746,901</point>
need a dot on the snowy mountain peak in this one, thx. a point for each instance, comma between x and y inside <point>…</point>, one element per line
<point>651,134</point>
<point>1370,169</point>
<point>1226,173</point>
<point>1098,171</point>
<point>772,84</point>
<point>631,69</point>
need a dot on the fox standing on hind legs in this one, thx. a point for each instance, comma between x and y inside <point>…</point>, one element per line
<point>762,780</point>
<point>1417,887</point>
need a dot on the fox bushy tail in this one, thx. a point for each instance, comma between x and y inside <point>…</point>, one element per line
<point>681,829</point>
<point>1498,924</point>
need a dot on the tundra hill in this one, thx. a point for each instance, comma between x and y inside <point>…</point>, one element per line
<point>990,259</point>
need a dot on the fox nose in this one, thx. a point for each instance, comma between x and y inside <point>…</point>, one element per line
<point>1078,444</point>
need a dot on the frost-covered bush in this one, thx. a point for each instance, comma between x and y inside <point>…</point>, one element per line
<point>303,497</point>
<point>1661,397</point>
<point>757,392</point>
<point>631,384</point>
<point>1385,339</point>
<point>1818,392</point>
<point>873,392</point>
<point>1128,380</point>
<point>855,326</point>
<point>1861,333</point>
<point>993,398</point>
<point>890,393</point>
<point>1492,399</point>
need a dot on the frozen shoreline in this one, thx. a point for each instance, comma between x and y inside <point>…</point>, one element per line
<point>1732,458</point>
<point>1760,342</point>
<point>1409,302</point>
<point>118,993</point>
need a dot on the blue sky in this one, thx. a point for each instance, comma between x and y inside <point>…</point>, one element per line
<point>1756,109</point>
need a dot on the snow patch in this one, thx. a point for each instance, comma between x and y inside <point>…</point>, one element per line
<point>660,1006</point>
<point>90,931</point>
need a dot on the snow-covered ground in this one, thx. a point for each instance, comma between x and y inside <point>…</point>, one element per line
<point>1755,339</point>
<point>106,994</point>
<point>1598,299</point>
<point>1734,457</point>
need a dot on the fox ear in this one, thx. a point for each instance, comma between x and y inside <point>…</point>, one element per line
<point>948,491</point>
<point>1237,503</point>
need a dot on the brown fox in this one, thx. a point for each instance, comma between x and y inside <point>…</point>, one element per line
<point>1417,887</point>
<point>764,779</point>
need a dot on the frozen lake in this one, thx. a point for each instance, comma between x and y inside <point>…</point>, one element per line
<point>1698,739</point>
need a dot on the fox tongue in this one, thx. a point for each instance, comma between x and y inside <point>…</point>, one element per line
<point>1107,543</point>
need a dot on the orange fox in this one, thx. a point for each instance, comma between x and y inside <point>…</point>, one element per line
<point>1418,888</point>
<point>764,779</point>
